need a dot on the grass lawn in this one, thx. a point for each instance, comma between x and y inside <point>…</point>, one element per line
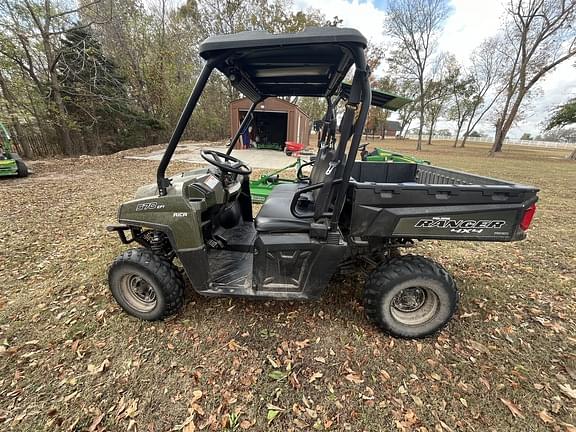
<point>71,360</point>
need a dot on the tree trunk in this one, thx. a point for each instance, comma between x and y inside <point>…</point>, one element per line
<point>422,107</point>
<point>22,141</point>
<point>498,138</point>
<point>10,106</point>
<point>39,125</point>
<point>63,128</point>
<point>464,138</point>
<point>498,142</point>
<point>54,83</point>
<point>572,155</point>
<point>460,125</point>
<point>420,128</point>
<point>432,127</point>
<point>430,133</point>
<point>456,139</point>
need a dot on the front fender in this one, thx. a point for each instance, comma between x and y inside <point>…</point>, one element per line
<point>181,221</point>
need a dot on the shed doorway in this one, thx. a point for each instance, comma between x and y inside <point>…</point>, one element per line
<point>268,130</point>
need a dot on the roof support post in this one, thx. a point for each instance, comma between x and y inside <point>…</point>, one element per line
<point>161,179</point>
<point>360,92</point>
<point>243,125</point>
<point>326,122</point>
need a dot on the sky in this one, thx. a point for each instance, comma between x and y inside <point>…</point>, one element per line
<point>470,22</point>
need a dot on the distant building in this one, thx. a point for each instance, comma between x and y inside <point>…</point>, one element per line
<point>275,122</point>
<point>391,128</point>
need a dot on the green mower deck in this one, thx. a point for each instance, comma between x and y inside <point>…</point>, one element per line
<point>261,188</point>
<point>10,163</point>
<point>382,155</point>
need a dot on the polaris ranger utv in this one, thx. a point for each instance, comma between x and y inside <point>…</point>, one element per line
<point>346,213</point>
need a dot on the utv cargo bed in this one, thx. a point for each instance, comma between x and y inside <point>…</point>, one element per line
<point>426,202</point>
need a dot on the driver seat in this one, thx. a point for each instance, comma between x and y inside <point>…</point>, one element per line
<point>275,215</point>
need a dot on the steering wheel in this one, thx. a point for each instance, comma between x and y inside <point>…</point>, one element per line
<point>226,162</point>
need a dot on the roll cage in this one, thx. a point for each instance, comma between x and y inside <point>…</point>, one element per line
<point>380,99</point>
<point>310,63</point>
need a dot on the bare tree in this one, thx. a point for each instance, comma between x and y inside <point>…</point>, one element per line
<point>538,36</point>
<point>485,74</point>
<point>438,87</point>
<point>414,26</point>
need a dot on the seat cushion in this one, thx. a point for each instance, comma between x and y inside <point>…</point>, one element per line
<point>286,189</point>
<point>275,215</point>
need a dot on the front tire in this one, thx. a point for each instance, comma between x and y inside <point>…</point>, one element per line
<point>410,297</point>
<point>145,285</point>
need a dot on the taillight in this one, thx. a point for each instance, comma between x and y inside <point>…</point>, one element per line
<point>527,217</point>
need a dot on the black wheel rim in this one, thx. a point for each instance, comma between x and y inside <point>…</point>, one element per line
<point>414,305</point>
<point>138,293</point>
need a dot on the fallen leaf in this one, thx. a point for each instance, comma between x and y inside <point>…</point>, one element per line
<point>545,417</point>
<point>273,362</point>
<point>320,359</point>
<point>354,378</point>
<point>189,427</point>
<point>302,344</point>
<point>435,376</point>
<point>246,424</point>
<point>513,408</point>
<point>132,409</point>
<point>274,407</point>
<point>96,422</point>
<point>300,424</point>
<point>477,346</point>
<point>271,415</point>
<point>569,427</point>
<point>131,426</point>
<point>277,375</point>
<point>417,401</point>
<point>568,390</point>
<point>196,395</point>
<point>70,396</point>
<point>197,409</point>
<point>315,376</point>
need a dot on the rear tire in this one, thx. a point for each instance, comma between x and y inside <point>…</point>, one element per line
<point>22,168</point>
<point>410,297</point>
<point>145,285</point>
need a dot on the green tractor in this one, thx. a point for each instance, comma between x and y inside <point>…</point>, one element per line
<point>11,164</point>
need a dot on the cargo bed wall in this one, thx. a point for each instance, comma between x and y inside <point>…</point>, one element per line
<point>423,202</point>
<point>431,175</point>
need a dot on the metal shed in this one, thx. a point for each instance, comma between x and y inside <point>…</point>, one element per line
<point>275,122</point>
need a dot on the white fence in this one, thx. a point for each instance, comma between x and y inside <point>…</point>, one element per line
<point>488,140</point>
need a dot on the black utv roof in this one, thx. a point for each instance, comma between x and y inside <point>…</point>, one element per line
<point>309,63</point>
<point>380,98</point>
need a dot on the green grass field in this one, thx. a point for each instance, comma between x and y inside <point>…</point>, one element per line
<point>71,360</point>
